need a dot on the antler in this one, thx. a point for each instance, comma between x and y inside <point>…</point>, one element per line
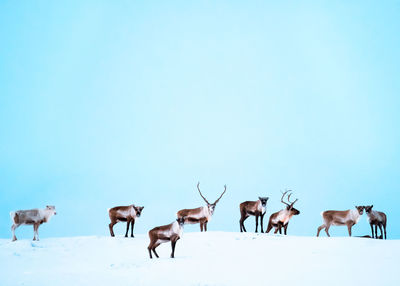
<point>220,195</point>
<point>198,184</point>
<point>291,203</point>
<point>283,195</point>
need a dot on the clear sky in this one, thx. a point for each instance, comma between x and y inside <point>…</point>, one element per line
<point>106,103</point>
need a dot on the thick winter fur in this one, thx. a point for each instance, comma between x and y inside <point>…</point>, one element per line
<point>33,217</point>
<point>161,234</point>
<point>253,208</point>
<point>348,218</point>
<point>124,213</point>
<point>200,215</point>
<point>377,219</point>
<point>281,219</point>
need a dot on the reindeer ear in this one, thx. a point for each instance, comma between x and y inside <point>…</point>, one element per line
<point>259,198</point>
<point>372,206</point>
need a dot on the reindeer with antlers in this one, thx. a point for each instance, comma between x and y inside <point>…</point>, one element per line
<point>200,215</point>
<point>281,219</point>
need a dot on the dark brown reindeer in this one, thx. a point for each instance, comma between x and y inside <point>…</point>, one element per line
<point>281,219</point>
<point>200,215</point>
<point>377,219</point>
<point>254,208</point>
<point>124,213</point>
<point>171,232</point>
<point>349,218</point>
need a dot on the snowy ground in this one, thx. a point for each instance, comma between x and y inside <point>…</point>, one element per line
<point>212,258</point>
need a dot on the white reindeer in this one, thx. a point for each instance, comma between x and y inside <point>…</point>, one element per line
<point>33,217</point>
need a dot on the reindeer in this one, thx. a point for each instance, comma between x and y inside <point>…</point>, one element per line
<point>255,208</point>
<point>376,218</point>
<point>33,217</point>
<point>281,219</point>
<point>200,215</point>
<point>349,218</point>
<point>124,213</point>
<point>171,232</point>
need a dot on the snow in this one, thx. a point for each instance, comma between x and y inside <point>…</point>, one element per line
<point>211,258</point>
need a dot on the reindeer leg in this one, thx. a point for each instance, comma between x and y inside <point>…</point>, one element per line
<point>349,225</point>
<point>321,227</point>
<point>244,218</point>
<point>256,223</point>
<point>262,223</point>
<point>173,243</point>
<point>132,225</point>
<point>201,226</point>
<point>269,227</point>
<point>327,230</point>
<point>285,228</point>
<point>149,249</point>
<point>384,228</point>
<point>111,225</point>
<point>372,230</point>
<point>35,227</point>
<point>280,227</point>
<point>205,225</point>
<point>128,222</point>
<point>380,227</point>
<point>154,249</point>
<point>241,221</point>
<point>376,231</point>
<point>13,228</point>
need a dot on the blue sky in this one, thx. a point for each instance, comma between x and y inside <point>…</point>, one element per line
<point>106,103</point>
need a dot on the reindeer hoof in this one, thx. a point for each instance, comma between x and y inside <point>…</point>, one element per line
<point>132,236</point>
<point>14,239</point>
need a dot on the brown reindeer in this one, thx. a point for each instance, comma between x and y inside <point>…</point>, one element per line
<point>349,218</point>
<point>124,213</point>
<point>171,232</point>
<point>377,219</point>
<point>255,208</point>
<point>200,215</point>
<point>281,219</point>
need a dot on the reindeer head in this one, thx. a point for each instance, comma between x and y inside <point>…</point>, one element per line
<point>368,209</point>
<point>211,207</point>
<point>263,200</point>
<point>289,204</point>
<point>181,220</point>
<point>51,209</point>
<point>138,210</point>
<point>360,209</point>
